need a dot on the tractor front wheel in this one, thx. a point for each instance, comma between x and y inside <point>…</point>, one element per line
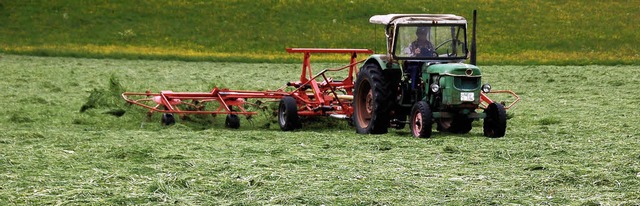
<point>371,101</point>
<point>288,114</point>
<point>495,124</point>
<point>421,120</point>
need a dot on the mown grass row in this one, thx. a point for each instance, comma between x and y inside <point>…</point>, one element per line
<point>527,32</point>
<point>572,140</point>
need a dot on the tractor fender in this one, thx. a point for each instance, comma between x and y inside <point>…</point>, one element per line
<point>379,59</point>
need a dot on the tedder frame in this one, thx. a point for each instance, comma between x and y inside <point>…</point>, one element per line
<point>311,95</point>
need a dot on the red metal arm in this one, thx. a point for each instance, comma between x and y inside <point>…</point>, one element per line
<point>485,100</point>
<point>306,65</point>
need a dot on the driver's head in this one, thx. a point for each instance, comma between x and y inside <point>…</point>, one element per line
<point>422,32</point>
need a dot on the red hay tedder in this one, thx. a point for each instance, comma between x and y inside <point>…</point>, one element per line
<point>312,95</point>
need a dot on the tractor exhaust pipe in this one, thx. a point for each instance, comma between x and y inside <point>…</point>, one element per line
<point>473,40</point>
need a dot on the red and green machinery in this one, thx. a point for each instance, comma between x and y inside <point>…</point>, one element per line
<point>389,90</point>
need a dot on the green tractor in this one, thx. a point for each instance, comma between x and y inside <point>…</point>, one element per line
<point>422,76</point>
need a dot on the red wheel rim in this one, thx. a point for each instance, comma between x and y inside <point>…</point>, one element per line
<point>365,108</point>
<point>417,124</point>
<point>369,103</point>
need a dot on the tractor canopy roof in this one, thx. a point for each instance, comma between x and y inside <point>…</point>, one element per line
<point>417,19</point>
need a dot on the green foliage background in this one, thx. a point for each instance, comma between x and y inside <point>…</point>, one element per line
<point>509,32</point>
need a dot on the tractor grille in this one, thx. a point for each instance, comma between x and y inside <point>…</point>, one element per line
<point>467,83</point>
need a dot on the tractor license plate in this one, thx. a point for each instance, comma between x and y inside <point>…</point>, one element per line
<point>466,96</point>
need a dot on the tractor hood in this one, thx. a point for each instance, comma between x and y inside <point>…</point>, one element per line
<point>454,69</point>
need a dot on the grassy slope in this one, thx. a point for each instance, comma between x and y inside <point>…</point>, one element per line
<point>523,32</point>
<point>572,140</point>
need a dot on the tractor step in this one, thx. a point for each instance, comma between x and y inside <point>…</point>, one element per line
<point>339,116</point>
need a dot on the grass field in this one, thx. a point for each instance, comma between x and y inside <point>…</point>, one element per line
<point>573,140</point>
<point>509,32</point>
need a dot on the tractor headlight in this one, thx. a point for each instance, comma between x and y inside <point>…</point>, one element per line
<point>486,88</point>
<point>435,88</point>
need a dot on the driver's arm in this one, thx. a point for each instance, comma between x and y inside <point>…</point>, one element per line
<point>407,51</point>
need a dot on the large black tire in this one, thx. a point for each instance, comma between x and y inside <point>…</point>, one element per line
<point>232,121</point>
<point>371,101</point>
<point>421,120</point>
<point>495,124</point>
<point>288,118</point>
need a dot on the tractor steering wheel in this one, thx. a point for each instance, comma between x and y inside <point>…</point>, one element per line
<point>448,41</point>
<point>427,53</point>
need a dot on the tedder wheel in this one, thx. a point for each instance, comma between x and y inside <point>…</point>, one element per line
<point>495,124</point>
<point>232,121</point>
<point>421,120</point>
<point>371,101</point>
<point>288,114</point>
<point>167,119</point>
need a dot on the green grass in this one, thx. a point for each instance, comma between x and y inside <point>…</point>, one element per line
<point>522,32</point>
<point>573,140</point>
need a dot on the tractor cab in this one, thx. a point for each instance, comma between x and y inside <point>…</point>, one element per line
<point>425,47</point>
<point>433,38</point>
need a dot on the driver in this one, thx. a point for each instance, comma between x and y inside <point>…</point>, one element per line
<point>421,47</point>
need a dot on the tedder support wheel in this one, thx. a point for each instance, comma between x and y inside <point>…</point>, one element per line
<point>288,114</point>
<point>421,120</point>
<point>495,124</point>
<point>167,119</point>
<point>232,121</point>
<point>371,101</point>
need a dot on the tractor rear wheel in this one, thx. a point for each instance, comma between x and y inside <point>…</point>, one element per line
<point>421,120</point>
<point>371,101</point>
<point>495,124</point>
<point>288,114</point>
